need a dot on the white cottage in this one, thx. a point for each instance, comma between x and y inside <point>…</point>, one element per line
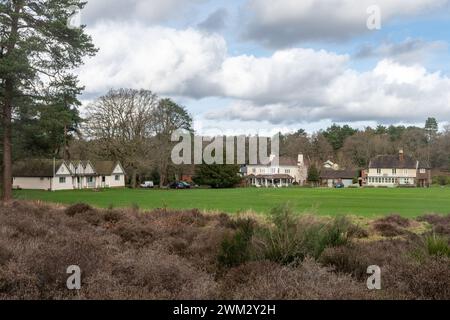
<point>56,175</point>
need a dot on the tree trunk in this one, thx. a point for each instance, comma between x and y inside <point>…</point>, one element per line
<point>133,177</point>
<point>7,110</point>
<point>7,158</point>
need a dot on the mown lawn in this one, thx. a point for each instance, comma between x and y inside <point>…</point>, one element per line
<point>363,202</point>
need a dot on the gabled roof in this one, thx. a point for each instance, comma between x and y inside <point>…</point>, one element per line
<point>338,174</point>
<point>36,168</point>
<point>104,168</point>
<point>389,161</point>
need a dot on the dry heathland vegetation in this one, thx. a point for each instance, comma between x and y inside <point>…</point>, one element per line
<point>130,254</point>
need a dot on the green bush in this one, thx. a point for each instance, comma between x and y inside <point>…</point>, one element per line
<point>293,238</point>
<point>441,180</point>
<point>236,250</point>
<point>437,245</point>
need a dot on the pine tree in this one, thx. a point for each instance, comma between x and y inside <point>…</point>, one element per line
<point>38,48</point>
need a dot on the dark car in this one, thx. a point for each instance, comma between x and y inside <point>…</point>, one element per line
<point>339,185</point>
<point>179,185</point>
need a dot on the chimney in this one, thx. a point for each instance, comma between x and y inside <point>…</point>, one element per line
<point>401,155</point>
<point>301,160</point>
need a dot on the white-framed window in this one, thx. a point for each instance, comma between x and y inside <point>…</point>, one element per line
<point>287,171</point>
<point>379,171</point>
<point>90,179</point>
<point>405,171</point>
<point>117,177</point>
<point>394,171</point>
<point>62,179</point>
<point>423,171</point>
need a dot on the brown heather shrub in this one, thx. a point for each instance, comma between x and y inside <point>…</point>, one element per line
<point>77,209</point>
<point>440,223</point>
<point>5,255</point>
<point>308,280</point>
<point>391,226</point>
<point>355,258</point>
<point>428,279</point>
<point>396,220</point>
<point>162,254</point>
<point>387,229</point>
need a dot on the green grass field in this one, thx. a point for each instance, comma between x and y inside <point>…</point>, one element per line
<point>363,202</point>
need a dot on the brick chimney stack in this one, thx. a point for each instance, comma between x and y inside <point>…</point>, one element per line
<point>401,155</point>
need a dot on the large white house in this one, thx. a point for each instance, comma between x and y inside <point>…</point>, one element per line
<point>67,175</point>
<point>280,172</point>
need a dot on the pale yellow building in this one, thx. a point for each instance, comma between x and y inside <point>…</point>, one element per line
<point>398,170</point>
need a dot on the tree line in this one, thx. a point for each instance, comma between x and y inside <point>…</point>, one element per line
<point>353,148</point>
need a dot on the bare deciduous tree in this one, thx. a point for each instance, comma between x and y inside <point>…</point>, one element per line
<point>121,124</point>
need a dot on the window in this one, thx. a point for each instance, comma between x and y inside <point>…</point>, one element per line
<point>90,179</point>
<point>287,171</point>
<point>405,171</point>
<point>379,171</point>
<point>117,177</point>
<point>62,179</point>
<point>273,170</point>
<point>423,171</point>
<point>394,171</point>
<point>103,178</point>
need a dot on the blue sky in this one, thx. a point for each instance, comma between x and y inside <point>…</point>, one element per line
<point>261,66</point>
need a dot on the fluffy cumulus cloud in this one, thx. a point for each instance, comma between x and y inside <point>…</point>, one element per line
<point>286,22</point>
<point>169,61</point>
<point>289,86</point>
<point>391,92</point>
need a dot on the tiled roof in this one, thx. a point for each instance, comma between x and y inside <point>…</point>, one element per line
<point>36,168</point>
<point>388,161</point>
<point>105,168</point>
<point>45,167</point>
<point>338,174</point>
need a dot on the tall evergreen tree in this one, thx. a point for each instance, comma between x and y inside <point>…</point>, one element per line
<point>38,48</point>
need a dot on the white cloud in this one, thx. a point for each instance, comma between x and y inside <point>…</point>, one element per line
<point>289,86</point>
<point>285,76</point>
<point>389,93</point>
<point>286,22</point>
<point>166,60</point>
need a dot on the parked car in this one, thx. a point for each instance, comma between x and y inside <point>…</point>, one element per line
<point>339,185</point>
<point>186,185</point>
<point>147,184</point>
<point>179,185</point>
